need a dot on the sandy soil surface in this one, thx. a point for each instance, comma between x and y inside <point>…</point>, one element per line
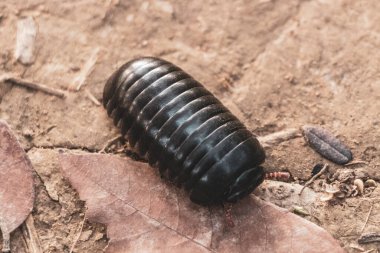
<point>276,64</point>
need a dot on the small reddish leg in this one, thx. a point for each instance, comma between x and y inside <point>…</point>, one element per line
<point>228,214</point>
<point>278,176</point>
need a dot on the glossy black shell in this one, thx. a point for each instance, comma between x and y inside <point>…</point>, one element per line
<point>181,128</point>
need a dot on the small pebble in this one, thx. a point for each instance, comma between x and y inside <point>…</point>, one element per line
<point>98,236</point>
<point>300,210</point>
<point>85,235</point>
<point>370,183</point>
<point>144,43</point>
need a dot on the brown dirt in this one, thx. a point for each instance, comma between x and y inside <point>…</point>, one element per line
<point>276,64</point>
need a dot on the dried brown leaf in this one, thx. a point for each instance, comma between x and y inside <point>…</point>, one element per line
<point>16,188</point>
<point>326,144</point>
<point>145,214</point>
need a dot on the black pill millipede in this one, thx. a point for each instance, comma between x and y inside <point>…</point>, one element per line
<point>182,129</point>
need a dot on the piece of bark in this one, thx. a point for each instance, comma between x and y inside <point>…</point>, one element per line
<point>16,188</point>
<point>146,214</point>
<point>25,41</point>
<point>31,236</point>
<point>369,238</point>
<point>326,144</point>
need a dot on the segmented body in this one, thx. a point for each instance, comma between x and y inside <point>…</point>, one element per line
<point>281,175</point>
<point>181,128</point>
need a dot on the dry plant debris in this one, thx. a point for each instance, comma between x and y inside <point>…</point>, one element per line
<point>286,195</point>
<point>25,41</point>
<point>92,97</point>
<point>326,144</point>
<point>10,78</point>
<point>278,137</point>
<point>31,236</point>
<point>87,68</point>
<point>144,213</point>
<point>314,177</point>
<point>16,188</point>
<point>369,238</point>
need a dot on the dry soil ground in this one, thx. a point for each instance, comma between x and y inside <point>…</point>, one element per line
<point>276,64</point>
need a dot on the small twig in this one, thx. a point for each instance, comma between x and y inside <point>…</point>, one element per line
<point>32,85</point>
<point>356,247</point>
<point>366,220</point>
<point>92,97</point>
<point>110,142</point>
<point>79,234</point>
<point>314,177</point>
<point>120,150</point>
<point>355,162</point>
<point>47,130</point>
<point>86,71</point>
<point>31,236</point>
<point>110,4</point>
<point>278,137</point>
<point>368,251</point>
